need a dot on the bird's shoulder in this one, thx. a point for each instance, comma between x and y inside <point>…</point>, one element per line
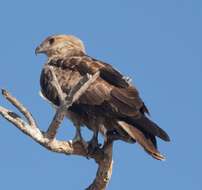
<point>85,64</point>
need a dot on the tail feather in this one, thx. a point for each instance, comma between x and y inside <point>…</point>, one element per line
<point>145,124</point>
<point>149,144</point>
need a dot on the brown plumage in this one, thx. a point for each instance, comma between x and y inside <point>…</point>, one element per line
<point>110,102</point>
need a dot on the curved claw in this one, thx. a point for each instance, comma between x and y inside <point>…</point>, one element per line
<point>93,146</point>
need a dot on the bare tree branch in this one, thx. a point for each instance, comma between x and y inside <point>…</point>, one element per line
<point>22,109</point>
<point>56,84</point>
<point>104,171</point>
<point>102,156</point>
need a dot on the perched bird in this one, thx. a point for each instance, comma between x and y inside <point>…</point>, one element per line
<point>111,104</point>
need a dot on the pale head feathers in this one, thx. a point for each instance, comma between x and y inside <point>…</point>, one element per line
<point>60,45</point>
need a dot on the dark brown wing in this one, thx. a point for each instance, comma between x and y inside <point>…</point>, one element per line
<point>111,78</point>
<point>68,72</point>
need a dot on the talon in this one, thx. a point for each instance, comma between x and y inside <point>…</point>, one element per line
<point>93,145</point>
<point>83,143</point>
<point>78,138</point>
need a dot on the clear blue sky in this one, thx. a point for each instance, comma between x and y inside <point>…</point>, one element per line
<point>157,43</point>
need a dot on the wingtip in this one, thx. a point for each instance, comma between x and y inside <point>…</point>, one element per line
<point>162,134</point>
<point>167,138</point>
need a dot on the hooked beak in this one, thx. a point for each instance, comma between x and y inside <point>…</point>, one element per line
<point>38,50</point>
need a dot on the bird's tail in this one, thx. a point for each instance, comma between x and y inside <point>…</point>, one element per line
<point>148,142</point>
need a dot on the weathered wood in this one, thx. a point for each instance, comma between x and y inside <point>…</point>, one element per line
<point>102,156</point>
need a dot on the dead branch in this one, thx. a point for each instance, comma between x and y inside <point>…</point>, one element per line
<point>102,156</point>
<point>66,102</point>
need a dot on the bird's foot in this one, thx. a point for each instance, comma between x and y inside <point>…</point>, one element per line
<point>93,146</point>
<point>79,140</point>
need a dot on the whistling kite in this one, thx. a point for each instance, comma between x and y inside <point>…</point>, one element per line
<point>111,105</point>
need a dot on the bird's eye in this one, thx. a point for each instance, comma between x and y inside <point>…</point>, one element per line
<point>51,41</point>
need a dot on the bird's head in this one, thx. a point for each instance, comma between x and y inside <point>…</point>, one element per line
<point>60,45</point>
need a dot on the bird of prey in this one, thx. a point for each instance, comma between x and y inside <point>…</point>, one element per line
<point>111,104</point>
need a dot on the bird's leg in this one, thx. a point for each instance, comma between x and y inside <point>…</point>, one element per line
<point>78,137</point>
<point>93,143</point>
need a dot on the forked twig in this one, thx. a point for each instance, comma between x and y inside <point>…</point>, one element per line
<point>102,156</point>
